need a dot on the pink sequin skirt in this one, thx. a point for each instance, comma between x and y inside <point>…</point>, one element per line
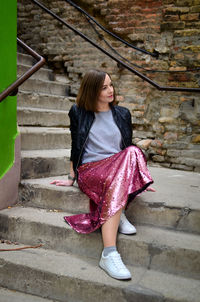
<point>110,184</point>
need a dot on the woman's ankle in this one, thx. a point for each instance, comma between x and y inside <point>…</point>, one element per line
<point>108,250</point>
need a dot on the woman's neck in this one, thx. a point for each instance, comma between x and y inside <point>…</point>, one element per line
<point>103,107</point>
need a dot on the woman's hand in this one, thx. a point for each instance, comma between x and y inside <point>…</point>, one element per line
<point>62,182</point>
<point>150,189</point>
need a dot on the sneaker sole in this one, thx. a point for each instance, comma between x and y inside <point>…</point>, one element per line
<point>126,233</point>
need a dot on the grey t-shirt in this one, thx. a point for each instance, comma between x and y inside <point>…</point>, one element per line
<point>104,138</point>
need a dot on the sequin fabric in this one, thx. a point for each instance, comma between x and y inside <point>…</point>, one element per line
<point>110,184</point>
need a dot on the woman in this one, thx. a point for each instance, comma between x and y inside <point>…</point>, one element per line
<point>108,168</point>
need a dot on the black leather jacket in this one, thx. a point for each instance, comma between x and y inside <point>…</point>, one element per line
<point>81,122</point>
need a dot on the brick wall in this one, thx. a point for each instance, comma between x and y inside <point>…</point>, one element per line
<point>165,124</point>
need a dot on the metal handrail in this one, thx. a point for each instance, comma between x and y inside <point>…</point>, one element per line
<point>101,37</point>
<point>136,72</point>
<point>13,88</point>
<point>153,54</point>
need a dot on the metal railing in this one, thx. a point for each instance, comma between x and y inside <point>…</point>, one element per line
<point>153,54</point>
<point>13,88</point>
<point>121,63</point>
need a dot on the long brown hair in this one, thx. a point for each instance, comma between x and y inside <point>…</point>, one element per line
<point>90,90</point>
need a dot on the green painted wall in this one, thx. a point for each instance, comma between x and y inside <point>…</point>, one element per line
<point>8,70</point>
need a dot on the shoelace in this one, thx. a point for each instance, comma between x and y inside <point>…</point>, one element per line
<point>117,261</point>
<point>123,218</point>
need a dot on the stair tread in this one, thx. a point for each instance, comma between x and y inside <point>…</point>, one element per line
<point>46,95</point>
<point>35,109</point>
<point>42,68</point>
<point>153,235</point>
<point>86,270</point>
<point>45,153</point>
<point>169,193</point>
<point>43,130</point>
<point>48,82</point>
<point>8,295</point>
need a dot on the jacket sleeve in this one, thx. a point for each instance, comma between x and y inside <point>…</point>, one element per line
<point>129,127</point>
<point>73,115</point>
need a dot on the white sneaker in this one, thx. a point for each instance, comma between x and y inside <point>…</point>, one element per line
<point>114,266</point>
<point>125,227</point>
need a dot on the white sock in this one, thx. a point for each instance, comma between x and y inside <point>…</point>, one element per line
<point>108,250</point>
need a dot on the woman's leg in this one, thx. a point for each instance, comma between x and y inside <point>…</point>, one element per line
<point>109,230</point>
<point>111,261</point>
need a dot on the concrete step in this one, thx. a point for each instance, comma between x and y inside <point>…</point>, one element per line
<point>66,277</point>
<point>31,99</point>
<point>42,74</point>
<point>43,138</point>
<point>25,59</point>
<point>28,116</point>
<point>7,295</point>
<point>48,87</point>
<point>174,205</point>
<point>45,74</point>
<point>44,163</point>
<point>154,248</point>
<point>41,194</point>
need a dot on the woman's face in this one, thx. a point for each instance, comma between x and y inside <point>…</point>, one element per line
<point>107,91</point>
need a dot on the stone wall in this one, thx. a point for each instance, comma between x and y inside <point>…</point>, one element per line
<point>165,124</point>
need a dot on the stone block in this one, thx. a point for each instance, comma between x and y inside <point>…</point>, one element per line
<point>169,112</point>
<point>179,145</point>
<point>170,136</point>
<point>195,9</point>
<point>185,2</point>
<point>131,106</point>
<point>158,158</point>
<point>176,10</point>
<point>192,48</point>
<point>143,134</point>
<point>190,17</point>
<point>196,139</point>
<point>139,121</point>
<point>156,143</point>
<point>174,153</point>
<point>171,18</point>
<point>194,154</point>
<point>181,167</point>
<point>177,68</point>
<point>144,144</point>
<point>187,32</point>
<point>165,26</point>
<point>166,119</point>
<point>159,151</point>
<point>159,129</point>
<point>166,165</point>
<point>197,106</point>
<point>190,162</point>
<point>138,113</point>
